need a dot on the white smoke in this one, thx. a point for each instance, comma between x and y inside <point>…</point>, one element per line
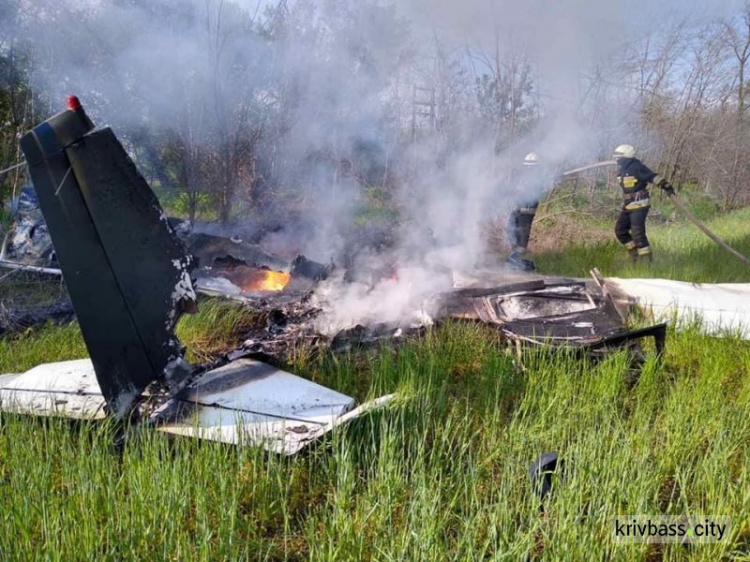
<point>341,73</point>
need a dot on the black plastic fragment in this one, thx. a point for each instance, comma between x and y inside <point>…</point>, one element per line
<point>303,267</point>
<point>541,473</point>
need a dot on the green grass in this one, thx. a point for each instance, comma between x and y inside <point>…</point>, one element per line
<point>216,327</point>
<point>681,251</point>
<point>441,474</point>
<point>20,352</point>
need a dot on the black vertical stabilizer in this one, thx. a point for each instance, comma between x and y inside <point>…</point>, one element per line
<point>127,273</point>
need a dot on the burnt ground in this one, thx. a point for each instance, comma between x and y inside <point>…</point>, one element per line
<point>28,298</point>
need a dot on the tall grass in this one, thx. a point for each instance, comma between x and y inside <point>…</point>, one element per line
<point>681,251</point>
<point>440,474</point>
<point>217,327</point>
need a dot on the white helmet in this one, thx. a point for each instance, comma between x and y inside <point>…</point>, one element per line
<point>624,151</point>
<point>532,159</point>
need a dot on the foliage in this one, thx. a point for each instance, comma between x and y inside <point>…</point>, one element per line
<point>16,113</point>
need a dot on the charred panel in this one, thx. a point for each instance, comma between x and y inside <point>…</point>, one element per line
<point>125,270</point>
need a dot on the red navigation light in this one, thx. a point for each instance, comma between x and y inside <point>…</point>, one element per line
<point>74,103</point>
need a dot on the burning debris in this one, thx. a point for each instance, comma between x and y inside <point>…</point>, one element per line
<point>248,283</point>
<point>129,287</point>
<point>231,267</point>
<point>256,280</point>
<point>549,312</point>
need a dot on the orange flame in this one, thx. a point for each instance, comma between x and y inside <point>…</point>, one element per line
<point>262,280</point>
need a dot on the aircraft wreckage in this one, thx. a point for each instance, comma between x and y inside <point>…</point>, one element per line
<point>130,278</point>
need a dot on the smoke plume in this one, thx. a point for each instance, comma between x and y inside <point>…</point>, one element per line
<point>303,113</point>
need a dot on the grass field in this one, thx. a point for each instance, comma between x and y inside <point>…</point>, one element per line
<point>681,251</point>
<point>441,474</point>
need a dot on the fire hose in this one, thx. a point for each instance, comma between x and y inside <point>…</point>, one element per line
<point>589,167</point>
<point>6,170</point>
<point>680,206</point>
<point>684,210</point>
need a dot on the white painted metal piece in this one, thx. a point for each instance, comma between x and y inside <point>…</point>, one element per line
<point>217,286</point>
<point>245,402</point>
<point>722,308</point>
<point>249,402</point>
<point>66,389</point>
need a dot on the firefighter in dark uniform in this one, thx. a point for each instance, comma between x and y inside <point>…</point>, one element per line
<point>532,182</point>
<point>634,178</point>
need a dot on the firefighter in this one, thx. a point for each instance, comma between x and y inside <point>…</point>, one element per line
<point>519,228</point>
<point>634,178</point>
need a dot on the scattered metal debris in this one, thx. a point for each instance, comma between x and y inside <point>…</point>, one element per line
<point>249,402</point>
<point>129,286</point>
<point>67,389</point>
<point>541,312</point>
<point>14,320</point>
<point>308,269</point>
<point>547,312</point>
<point>236,269</point>
<point>722,308</point>
<point>213,252</point>
<point>245,402</point>
<point>15,266</point>
<point>28,242</point>
<point>366,336</point>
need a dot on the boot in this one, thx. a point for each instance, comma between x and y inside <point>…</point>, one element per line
<point>516,261</point>
<point>645,255</point>
<point>632,251</point>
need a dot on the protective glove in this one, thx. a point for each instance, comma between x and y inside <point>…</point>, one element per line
<point>666,187</point>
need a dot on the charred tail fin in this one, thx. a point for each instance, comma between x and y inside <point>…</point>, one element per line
<point>127,273</point>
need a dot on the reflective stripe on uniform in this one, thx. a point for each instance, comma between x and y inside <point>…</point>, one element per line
<point>644,251</point>
<point>527,211</point>
<point>630,245</point>
<point>636,204</point>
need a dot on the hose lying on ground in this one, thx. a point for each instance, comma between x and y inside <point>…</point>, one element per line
<point>684,210</point>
